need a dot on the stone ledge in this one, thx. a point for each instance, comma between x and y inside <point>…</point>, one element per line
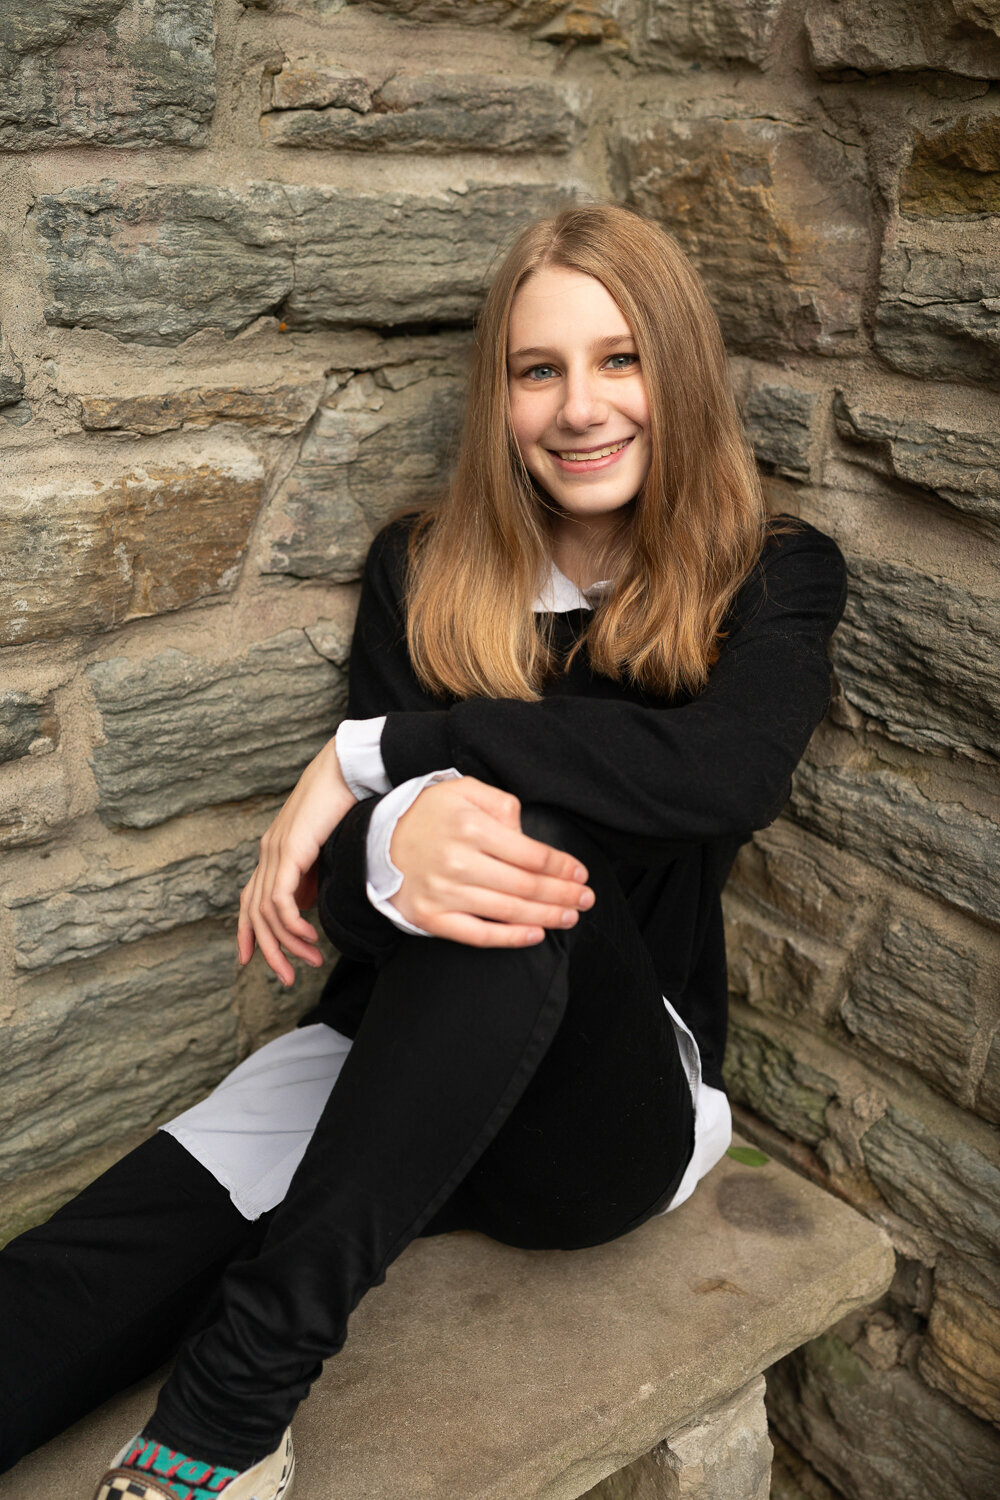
<point>488,1373</point>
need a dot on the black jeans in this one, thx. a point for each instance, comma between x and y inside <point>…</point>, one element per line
<point>535,1095</point>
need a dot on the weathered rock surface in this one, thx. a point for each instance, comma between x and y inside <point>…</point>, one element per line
<point>28,725</point>
<point>779,425</point>
<point>115,72</point>
<point>110,907</point>
<point>953,36</point>
<point>555,20</point>
<point>156,262</point>
<point>961,1353</point>
<point>182,732</point>
<point>719,30</point>
<point>98,1055</point>
<point>883,816</point>
<point>988,1098</point>
<point>912,998</point>
<point>938,312</point>
<point>766,1076</point>
<point>420,111</point>
<point>11,375</point>
<point>805,880</point>
<point>954,171</point>
<point>371,450</point>
<point>725,1452</point>
<point>277,409</point>
<point>922,657</point>
<point>951,454</point>
<point>774,217</point>
<point>879,1432</point>
<point>82,557</point>
<point>937,1180</point>
<point>775,966</point>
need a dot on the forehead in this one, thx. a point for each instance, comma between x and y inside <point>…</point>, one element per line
<point>556,304</point>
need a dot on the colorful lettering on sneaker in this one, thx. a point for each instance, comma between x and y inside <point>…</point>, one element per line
<point>187,1478</point>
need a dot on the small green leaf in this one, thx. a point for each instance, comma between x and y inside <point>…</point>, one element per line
<point>748,1155</point>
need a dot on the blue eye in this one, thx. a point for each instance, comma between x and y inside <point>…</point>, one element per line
<point>539,372</point>
<point>630,359</point>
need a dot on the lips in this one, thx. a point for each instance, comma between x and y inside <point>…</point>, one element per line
<point>587,455</point>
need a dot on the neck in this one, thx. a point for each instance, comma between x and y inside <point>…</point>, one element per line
<point>579,548</point>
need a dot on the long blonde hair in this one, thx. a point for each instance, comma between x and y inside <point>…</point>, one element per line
<point>682,547</point>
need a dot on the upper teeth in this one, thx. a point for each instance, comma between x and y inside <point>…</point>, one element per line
<point>594,452</point>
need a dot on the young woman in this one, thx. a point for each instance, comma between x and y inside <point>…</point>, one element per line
<point>576,686</point>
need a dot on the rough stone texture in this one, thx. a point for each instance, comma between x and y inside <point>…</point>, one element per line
<point>779,424</point>
<point>114,72</point>
<point>792,1478</point>
<point>939,1181</point>
<point>954,171</point>
<point>28,725</point>
<point>566,1367</point>
<point>946,451</point>
<point>109,907</point>
<point>774,217</point>
<point>939,300</point>
<point>961,1354</point>
<point>152,1038</point>
<point>11,375</point>
<point>721,30</point>
<point>552,20</point>
<point>940,847</point>
<point>922,657</point>
<point>221,730</point>
<point>82,557</point>
<point>423,111</point>
<point>277,409</point>
<point>954,36</point>
<point>767,1077</point>
<point>371,450</point>
<point>725,1454</point>
<point>912,998</point>
<point>988,1098</point>
<point>774,966</point>
<point>180,258</point>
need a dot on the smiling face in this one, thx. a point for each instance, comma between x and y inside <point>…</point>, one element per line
<point>577,397</point>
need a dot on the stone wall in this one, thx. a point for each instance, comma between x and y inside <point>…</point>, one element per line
<point>242,245</point>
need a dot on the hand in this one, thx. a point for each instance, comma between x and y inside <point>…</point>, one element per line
<point>471,875</point>
<point>284,882</point>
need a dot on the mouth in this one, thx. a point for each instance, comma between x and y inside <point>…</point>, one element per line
<point>579,460</point>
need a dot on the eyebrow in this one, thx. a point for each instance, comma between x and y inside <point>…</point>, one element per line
<point>612,341</point>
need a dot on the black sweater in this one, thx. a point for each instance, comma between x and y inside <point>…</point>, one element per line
<point>670,787</point>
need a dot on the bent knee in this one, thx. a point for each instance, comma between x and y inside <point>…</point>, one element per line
<point>550,825</point>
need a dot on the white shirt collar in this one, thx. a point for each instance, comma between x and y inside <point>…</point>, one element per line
<point>559,594</point>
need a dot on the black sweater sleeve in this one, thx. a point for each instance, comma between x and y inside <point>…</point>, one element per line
<point>655,777</point>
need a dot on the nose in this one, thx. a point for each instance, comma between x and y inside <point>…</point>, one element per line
<point>583,405</point>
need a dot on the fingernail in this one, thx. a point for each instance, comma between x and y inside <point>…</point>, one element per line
<point>579,873</point>
<point>568,918</point>
<point>586,900</point>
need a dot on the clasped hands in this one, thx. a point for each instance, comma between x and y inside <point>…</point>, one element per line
<point>469,873</point>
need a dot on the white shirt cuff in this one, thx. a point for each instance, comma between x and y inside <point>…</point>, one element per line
<point>359,750</point>
<point>383,877</point>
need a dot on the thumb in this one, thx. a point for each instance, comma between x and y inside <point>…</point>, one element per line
<point>503,806</point>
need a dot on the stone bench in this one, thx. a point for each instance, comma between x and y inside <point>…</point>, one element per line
<point>480,1372</point>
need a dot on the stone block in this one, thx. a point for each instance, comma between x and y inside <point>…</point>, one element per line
<point>879,1432</point>
<point>92,1056</point>
<point>156,262</point>
<point>905,36</point>
<point>939,299</point>
<point>773,966</point>
<point>950,453</point>
<point>109,72</point>
<point>912,997</point>
<point>11,375</point>
<point>222,730</point>
<point>431,112</point>
<point>84,556</point>
<point>779,422</point>
<point>988,1097</point>
<point>954,171</point>
<point>370,451</point>
<point>110,907</point>
<point>768,1078</point>
<point>961,1353</point>
<point>715,30</point>
<point>922,657</point>
<point>277,409</point>
<point>724,1454</point>
<point>934,1178</point>
<point>775,217</point>
<point>884,817</point>
<point>551,20</point>
<point>805,881</point>
<point>28,725</point>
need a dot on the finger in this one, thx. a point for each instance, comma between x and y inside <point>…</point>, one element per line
<point>460,927</point>
<point>516,848</point>
<point>245,940</point>
<point>501,805</point>
<point>498,906</point>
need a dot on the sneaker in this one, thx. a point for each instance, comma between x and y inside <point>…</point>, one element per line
<point>271,1479</point>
